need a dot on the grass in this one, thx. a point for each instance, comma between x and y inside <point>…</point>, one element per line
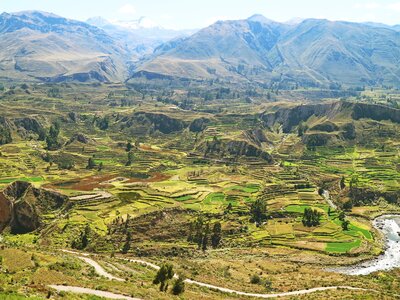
<point>342,247</point>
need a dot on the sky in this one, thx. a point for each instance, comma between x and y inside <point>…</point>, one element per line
<point>189,14</point>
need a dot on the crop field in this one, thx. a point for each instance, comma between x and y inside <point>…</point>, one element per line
<point>138,186</point>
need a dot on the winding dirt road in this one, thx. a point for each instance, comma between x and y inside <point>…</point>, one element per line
<point>100,270</point>
<point>81,290</point>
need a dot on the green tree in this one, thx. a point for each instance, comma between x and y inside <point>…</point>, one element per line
<point>52,137</point>
<point>301,129</point>
<point>179,286</point>
<point>129,147</point>
<point>5,136</point>
<point>354,181</point>
<point>258,211</point>
<point>345,225</point>
<point>204,242</point>
<point>130,159</point>
<point>342,183</point>
<point>311,217</point>
<point>91,163</point>
<point>164,274</point>
<point>216,235</point>
<point>348,205</point>
<point>341,216</point>
<point>127,245</point>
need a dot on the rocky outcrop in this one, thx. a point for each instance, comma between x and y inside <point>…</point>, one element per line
<point>26,126</point>
<point>255,136</point>
<point>22,206</point>
<point>326,127</point>
<point>375,112</point>
<point>233,149</point>
<point>198,125</point>
<point>79,137</point>
<point>291,117</point>
<point>154,122</point>
<point>5,131</point>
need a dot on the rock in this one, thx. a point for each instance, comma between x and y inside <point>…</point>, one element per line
<point>22,205</point>
<point>79,137</point>
<point>198,125</point>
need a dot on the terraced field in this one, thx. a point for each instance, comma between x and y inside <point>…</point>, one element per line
<point>147,179</point>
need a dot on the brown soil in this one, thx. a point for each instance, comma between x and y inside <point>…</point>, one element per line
<point>100,181</point>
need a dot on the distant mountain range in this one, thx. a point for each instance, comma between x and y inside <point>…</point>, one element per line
<point>140,36</point>
<point>312,52</point>
<point>42,46</point>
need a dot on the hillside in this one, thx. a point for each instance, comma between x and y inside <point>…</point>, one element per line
<point>43,46</point>
<point>311,53</point>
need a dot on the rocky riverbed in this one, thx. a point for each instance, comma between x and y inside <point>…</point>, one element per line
<point>389,225</point>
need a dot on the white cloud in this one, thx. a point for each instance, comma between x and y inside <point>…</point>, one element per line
<point>127,9</point>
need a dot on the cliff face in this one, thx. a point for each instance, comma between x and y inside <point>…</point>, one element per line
<point>293,116</point>
<point>233,149</point>
<point>22,205</point>
<point>154,122</point>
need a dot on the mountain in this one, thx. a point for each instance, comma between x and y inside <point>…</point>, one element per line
<point>311,53</point>
<point>140,36</point>
<point>42,46</point>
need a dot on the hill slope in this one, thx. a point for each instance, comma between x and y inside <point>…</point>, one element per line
<point>38,45</point>
<point>313,52</point>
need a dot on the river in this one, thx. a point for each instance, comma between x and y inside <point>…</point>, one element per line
<point>389,226</point>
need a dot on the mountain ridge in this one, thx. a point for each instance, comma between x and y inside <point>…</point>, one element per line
<point>314,52</point>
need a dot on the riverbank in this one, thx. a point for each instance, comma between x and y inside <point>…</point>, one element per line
<point>389,226</point>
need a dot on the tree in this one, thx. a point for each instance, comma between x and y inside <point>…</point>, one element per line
<point>311,217</point>
<point>345,225</point>
<point>216,236</point>
<point>91,163</point>
<point>130,159</point>
<point>52,137</point>
<point>342,216</point>
<point>83,240</point>
<point>342,183</point>
<point>353,181</point>
<point>258,211</point>
<point>348,205</point>
<point>5,136</point>
<point>127,245</point>
<point>179,286</point>
<point>164,274</point>
<point>301,129</point>
<point>204,241</point>
<point>129,147</point>
<point>198,228</point>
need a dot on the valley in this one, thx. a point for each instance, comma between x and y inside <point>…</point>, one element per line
<point>245,198</point>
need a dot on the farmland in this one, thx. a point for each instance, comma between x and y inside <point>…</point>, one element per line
<point>138,174</point>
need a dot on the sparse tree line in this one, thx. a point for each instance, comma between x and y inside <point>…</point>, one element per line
<point>200,234</point>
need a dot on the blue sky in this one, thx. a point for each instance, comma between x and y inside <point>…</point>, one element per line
<point>182,14</point>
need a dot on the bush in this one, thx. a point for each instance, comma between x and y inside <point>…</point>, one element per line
<point>255,279</point>
<point>179,286</point>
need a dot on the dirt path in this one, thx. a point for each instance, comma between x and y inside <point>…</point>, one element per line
<point>102,272</point>
<point>328,199</point>
<point>99,269</point>
<point>81,290</point>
